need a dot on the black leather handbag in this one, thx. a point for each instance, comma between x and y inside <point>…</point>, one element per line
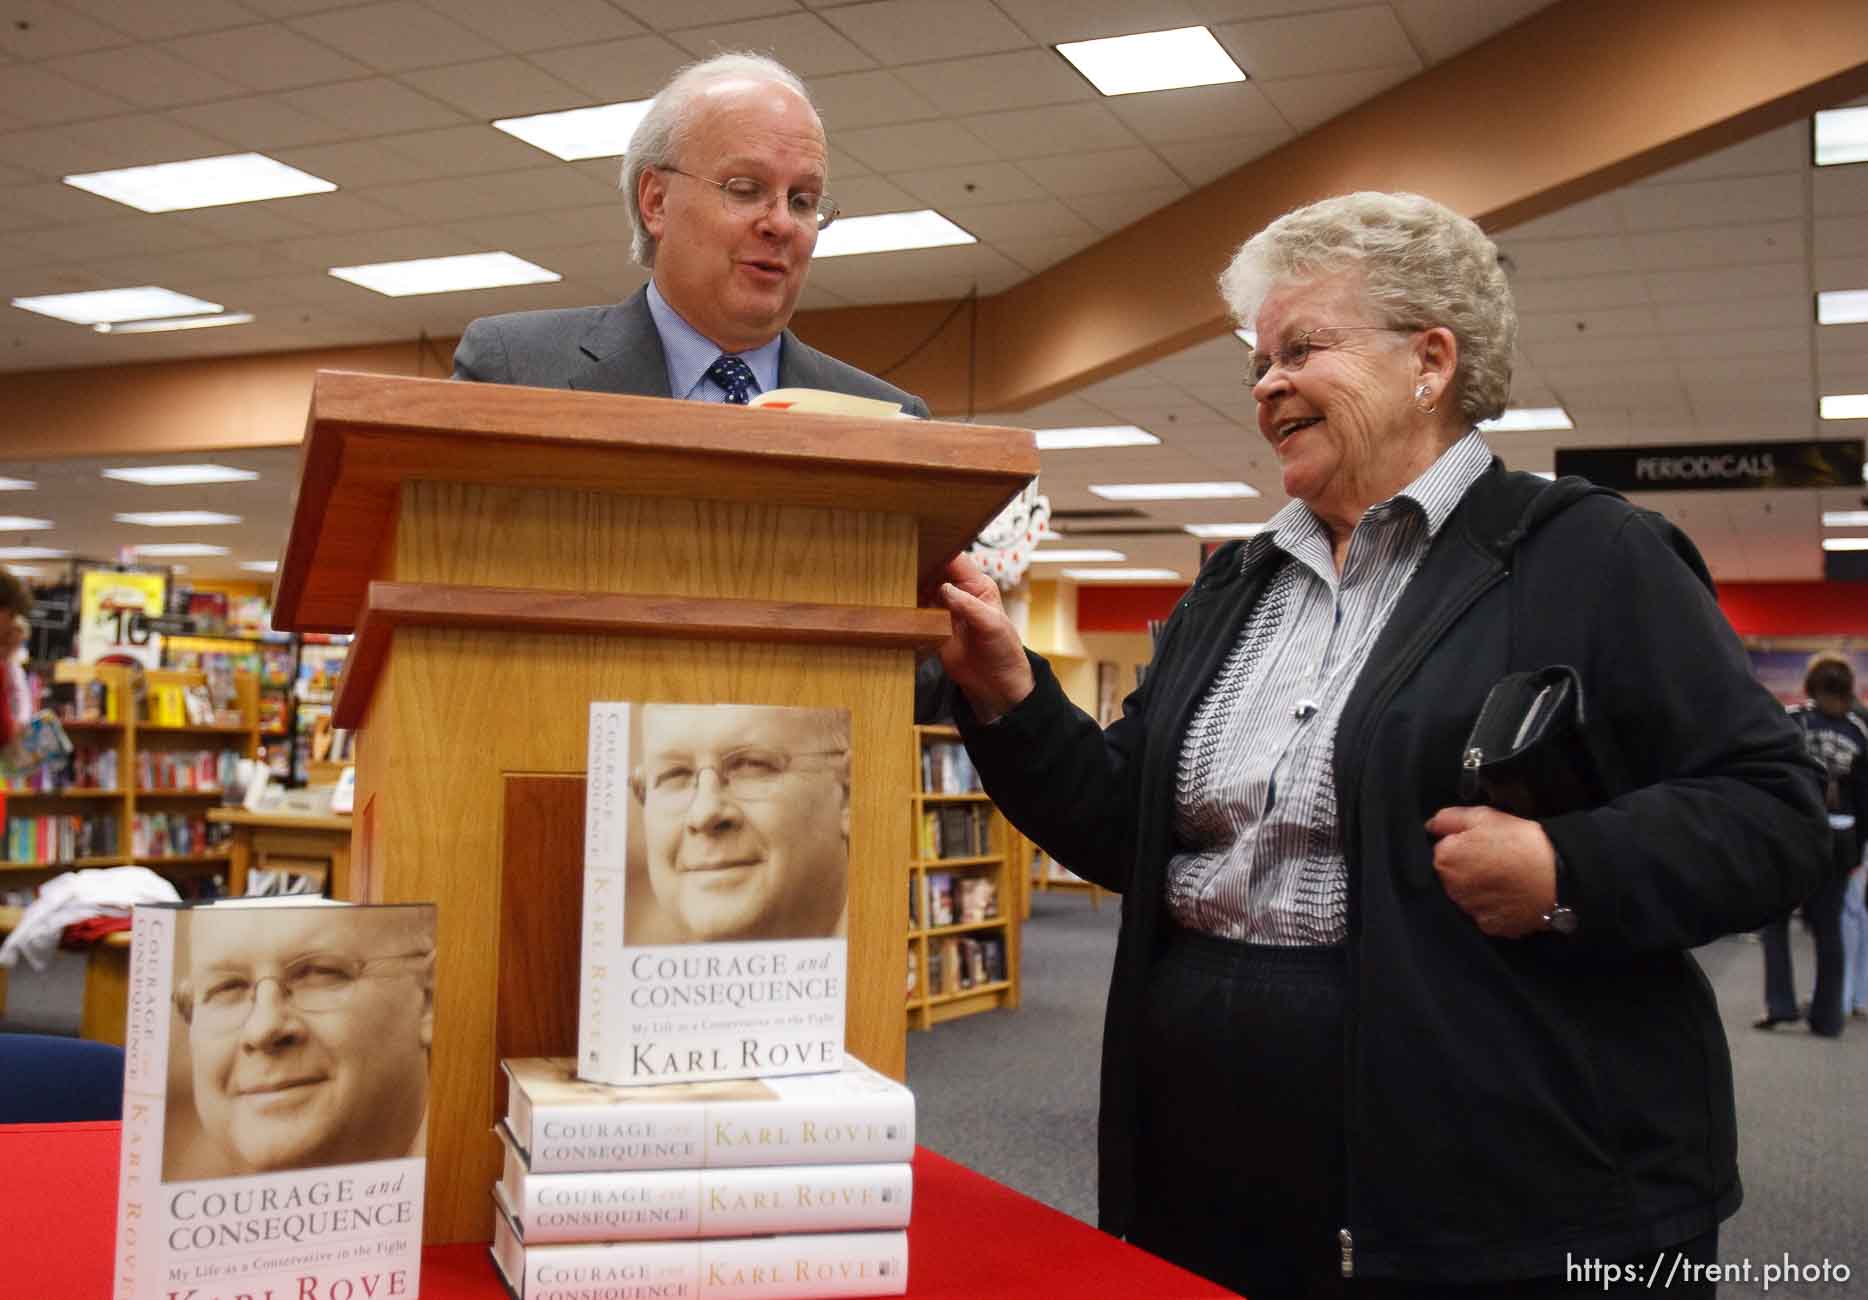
<point>1528,753</point>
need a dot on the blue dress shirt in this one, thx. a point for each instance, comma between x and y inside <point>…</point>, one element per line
<point>689,353</point>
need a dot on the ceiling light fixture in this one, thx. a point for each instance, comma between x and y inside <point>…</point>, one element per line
<point>201,183</point>
<point>112,306</point>
<point>1219,532</point>
<point>179,475</point>
<point>1842,307</point>
<point>177,518</point>
<point>1846,406</point>
<point>601,131</point>
<point>1246,336</point>
<point>1528,419</point>
<point>160,549</point>
<point>32,553</point>
<point>1845,519</point>
<point>1841,136</point>
<point>1105,435</point>
<point>260,566</point>
<point>445,274</point>
<point>175,323</point>
<point>1845,543</point>
<point>1128,65</point>
<point>890,232</point>
<point>1122,575</point>
<point>17,485</point>
<point>1172,491</point>
<point>22,524</point>
<point>1083,555</point>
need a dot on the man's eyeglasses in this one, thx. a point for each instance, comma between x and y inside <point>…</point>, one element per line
<point>745,197</point>
<point>751,772</point>
<point>1293,354</point>
<point>318,982</point>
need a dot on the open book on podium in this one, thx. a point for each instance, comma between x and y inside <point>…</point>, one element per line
<point>505,556</point>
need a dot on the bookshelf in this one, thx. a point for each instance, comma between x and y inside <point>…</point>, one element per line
<point>137,782</point>
<point>963,890</point>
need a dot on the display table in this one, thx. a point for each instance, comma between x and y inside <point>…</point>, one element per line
<point>970,1238</point>
<point>284,838</point>
<point>106,982</point>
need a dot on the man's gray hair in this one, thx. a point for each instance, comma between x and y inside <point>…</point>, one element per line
<point>1422,265</point>
<point>658,137</point>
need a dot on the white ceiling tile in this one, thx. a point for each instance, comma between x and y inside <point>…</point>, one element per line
<point>875,98</point>
<point>859,196</point>
<point>123,237</point>
<point>968,183</point>
<point>338,211</point>
<point>504,87</point>
<point>540,24</point>
<point>1103,172</point>
<point>1037,255</point>
<point>1112,210</point>
<point>537,189</point>
<point>268,57</point>
<point>1543,258</point>
<point>1777,311</point>
<point>32,95</point>
<point>243,223</point>
<point>1598,216</point>
<point>60,203</point>
<point>812,298</point>
<point>917,144</point>
<point>257,122</point>
<point>1309,102</point>
<point>1201,162</point>
<point>368,246</point>
<point>635,67</point>
<point>1732,200</point>
<point>1577,292</point>
<point>1443,28</point>
<point>38,29</point>
<point>1022,79</point>
<point>1831,273</point>
<point>597,224</point>
<point>1055,129</point>
<point>929,273</point>
<point>1724,245</point>
<point>355,164</point>
<point>899,31</point>
<point>1842,237</point>
<point>1785,341</point>
<point>1598,322</point>
<point>169,18</point>
<point>1199,112</point>
<point>1777,152</point>
<point>134,140</point>
<point>803,42</point>
<point>146,76</point>
<point>668,15</point>
<point>1553,355</point>
<point>372,105</point>
<point>396,35</point>
<point>1034,219</point>
<point>1840,191</point>
<point>1728,284</point>
<point>464,151</point>
<point>1305,45</point>
<point>606,259</point>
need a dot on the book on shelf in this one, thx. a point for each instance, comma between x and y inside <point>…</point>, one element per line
<point>978,898</point>
<point>60,838</point>
<point>716,862</point>
<point>953,974</point>
<point>799,1266</point>
<point>940,898</point>
<point>564,1124</point>
<point>721,1201</point>
<point>992,950</point>
<point>275,1099</point>
<point>914,974</point>
<point>961,831</point>
<point>946,768</point>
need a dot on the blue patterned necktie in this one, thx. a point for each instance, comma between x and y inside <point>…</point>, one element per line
<point>734,376</point>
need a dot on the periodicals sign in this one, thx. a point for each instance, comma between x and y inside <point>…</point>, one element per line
<point>716,865</point>
<point>275,1100</point>
<point>1718,467</point>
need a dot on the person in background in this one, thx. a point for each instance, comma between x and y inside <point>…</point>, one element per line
<point>15,696</point>
<point>1855,913</point>
<point>1364,1038</point>
<point>1838,739</point>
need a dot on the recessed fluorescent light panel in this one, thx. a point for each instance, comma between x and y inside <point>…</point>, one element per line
<point>260,566</point>
<point>180,549</point>
<point>1108,435</point>
<point>1845,543</point>
<point>445,274</point>
<point>17,485</point>
<point>1219,532</point>
<point>1845,519</point>
<point>1171,491</point>
<point>22,524</point>
<point>201,183</point>
<point>177,518</point>
<point>179,475</point>
<point>1842,307</point>
<point>175,323</point>
<point>1846,406</point>
<point>1528,419</point>
<point>1841,136</point>
<point>1247,337</point>
<point>1085,555</point>
<point>890,232</point>
<point>109,306</point>
<point>31,553</point>
<point>1122,575</point>
<point>1128,65</point>
<point>579,133</point>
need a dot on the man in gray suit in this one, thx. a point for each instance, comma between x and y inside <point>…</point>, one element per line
<point>724,182</point>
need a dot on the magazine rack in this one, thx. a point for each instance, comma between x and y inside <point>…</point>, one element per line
<point>506,555</point>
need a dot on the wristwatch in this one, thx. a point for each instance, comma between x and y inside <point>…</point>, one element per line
<point>1560,919</point>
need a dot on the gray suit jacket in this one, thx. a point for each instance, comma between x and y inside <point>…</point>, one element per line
<point>617,349</point>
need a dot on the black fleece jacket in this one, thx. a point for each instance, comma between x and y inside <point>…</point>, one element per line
<point>1507,1101</point>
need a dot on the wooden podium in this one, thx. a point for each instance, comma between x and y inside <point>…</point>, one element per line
<point>507,555</point>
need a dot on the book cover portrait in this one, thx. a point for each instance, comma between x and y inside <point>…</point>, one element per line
<point>716,889</point>
<point>275,1098</point>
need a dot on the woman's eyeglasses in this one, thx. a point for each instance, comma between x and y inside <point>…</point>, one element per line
<point>1294,353</point>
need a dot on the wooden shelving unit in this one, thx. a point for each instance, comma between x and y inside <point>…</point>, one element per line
<point>130,737</point>
<point>935,949</point>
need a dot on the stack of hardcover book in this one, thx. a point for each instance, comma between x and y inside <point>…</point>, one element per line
<point>791,1186</point>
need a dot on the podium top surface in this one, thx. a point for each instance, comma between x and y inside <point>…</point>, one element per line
<point>368,434</point>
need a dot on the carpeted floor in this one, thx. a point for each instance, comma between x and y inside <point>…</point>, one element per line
<point>1013,1094</point>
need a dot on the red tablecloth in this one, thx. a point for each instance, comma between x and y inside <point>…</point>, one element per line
<point>970,1239</point>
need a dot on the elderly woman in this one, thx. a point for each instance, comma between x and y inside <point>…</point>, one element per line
<point>1364,1038</point>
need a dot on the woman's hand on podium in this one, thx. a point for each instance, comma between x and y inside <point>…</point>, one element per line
<point>983,656</point>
